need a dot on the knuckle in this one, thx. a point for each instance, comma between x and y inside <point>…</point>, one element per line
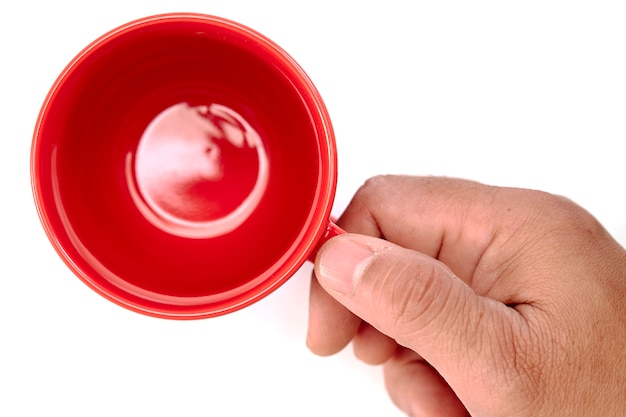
<point>561,214</point>
<point>374,185</point>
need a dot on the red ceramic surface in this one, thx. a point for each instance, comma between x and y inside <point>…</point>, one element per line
<point>184,166</point>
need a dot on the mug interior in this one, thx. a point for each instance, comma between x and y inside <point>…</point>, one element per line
<point>85,165</point>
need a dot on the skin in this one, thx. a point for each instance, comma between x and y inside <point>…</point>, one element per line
<point>478,300</point>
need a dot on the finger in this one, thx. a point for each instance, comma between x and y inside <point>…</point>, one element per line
<point>372,346</point>
<point>417,301</point>
<point>449,219</point>
<point>331,326</point>
<point>418,390</point>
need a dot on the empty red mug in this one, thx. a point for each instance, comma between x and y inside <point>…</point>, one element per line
<point>184,166</point>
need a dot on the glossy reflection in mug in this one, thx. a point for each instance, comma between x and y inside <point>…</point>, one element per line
<point>199,171</point>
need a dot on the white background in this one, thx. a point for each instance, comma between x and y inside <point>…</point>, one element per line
<point>529,94</point>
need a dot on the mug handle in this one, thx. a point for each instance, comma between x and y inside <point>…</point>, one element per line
<point>331,231</point>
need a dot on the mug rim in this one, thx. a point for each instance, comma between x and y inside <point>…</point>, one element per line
<point>318,217</point>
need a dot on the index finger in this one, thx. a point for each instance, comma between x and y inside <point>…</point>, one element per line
<point>452,220</point>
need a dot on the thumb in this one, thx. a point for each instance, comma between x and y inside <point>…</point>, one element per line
<point>414,299</point>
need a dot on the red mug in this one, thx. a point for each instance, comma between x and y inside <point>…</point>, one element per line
<point>184,166</point>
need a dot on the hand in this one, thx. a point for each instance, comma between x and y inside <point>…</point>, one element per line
<point>481,300</point>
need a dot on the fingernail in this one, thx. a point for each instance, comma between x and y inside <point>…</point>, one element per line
<point>341,265</point>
